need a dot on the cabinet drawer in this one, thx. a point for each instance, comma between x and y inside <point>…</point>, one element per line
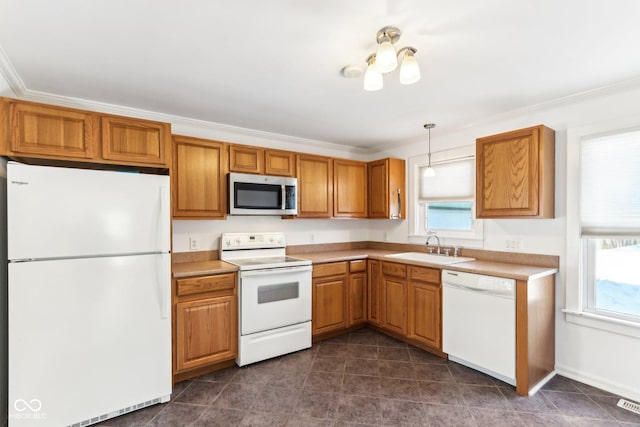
<point>330,269</point>
<point>431,275</point>
<point>357,266</point>
<point>393,269</point>
<point>196,285</point>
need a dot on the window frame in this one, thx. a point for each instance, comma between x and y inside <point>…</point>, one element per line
<point>416,214</point>
<point>576,307</point>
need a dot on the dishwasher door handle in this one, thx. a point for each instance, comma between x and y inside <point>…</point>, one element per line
<point>480,290</point>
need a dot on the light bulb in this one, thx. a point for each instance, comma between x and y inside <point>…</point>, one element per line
<point>372,78</point>
<point>386,59</point>
<point>429,171</point>
<point>409,70</point>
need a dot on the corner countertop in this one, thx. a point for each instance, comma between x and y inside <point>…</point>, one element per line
<point>491,268</point>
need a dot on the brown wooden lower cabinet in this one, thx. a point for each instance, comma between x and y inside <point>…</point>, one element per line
<point>374,298</point>
<point>357,292</point>
<point>425,307</point>
<point>394,294</point>
<point>206,323</point>
<point>338,296</point>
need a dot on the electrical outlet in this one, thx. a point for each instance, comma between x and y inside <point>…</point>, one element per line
<point>385,236</point>
<point>194,245</point>
<point>514,244</point>
<point>312,238</point>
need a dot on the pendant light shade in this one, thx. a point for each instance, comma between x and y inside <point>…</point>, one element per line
<point>372,77</point>
<point>386,60</point>
<point>409,70</point>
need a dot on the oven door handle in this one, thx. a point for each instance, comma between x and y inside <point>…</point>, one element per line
<point>271,271</point>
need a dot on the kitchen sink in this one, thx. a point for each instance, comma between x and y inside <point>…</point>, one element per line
<point>430,258</point>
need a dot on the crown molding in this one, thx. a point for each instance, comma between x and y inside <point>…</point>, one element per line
<point>10,75</point>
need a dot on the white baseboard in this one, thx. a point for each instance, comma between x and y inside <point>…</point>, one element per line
<point>599,382</point>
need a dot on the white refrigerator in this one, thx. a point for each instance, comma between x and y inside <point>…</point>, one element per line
<point>89,294</point>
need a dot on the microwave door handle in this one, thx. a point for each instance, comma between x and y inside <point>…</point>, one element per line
<point>284,196</point>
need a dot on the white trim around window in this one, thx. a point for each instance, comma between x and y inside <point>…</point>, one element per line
<point>575,292</point>
<point>417,233</point>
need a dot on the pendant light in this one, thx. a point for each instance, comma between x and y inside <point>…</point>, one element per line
<point>429,172</point>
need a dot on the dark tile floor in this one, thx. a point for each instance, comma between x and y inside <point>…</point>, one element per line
<point>366,378</point>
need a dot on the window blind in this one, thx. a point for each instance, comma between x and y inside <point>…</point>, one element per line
<point>610,185</point>
<point>454,180</point>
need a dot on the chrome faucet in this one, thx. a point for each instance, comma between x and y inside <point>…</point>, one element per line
<point>429,236</point>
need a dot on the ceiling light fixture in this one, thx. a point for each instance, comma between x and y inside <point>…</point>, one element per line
<point>429,171</point>
<point>372,77</point>
<point>385,60</point>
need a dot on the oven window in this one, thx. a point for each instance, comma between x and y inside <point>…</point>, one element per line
<point>280,292</point>
<point>257,196</point>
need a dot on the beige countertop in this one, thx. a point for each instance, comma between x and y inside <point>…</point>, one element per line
<point>491,268</point>
<point>201,268</point>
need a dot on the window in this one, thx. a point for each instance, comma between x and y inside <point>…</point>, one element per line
<point>610,225</point>
<point>445,203</point>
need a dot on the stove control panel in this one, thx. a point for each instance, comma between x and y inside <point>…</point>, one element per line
<point>231,241</point>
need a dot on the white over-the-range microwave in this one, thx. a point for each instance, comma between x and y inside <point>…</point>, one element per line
<point>262,194</point>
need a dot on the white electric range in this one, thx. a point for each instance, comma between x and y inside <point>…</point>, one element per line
<point>274,302</point>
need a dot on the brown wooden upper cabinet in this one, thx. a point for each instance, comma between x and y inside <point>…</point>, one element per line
<point>48,132</point>
<point>515,174</point>
<point>281,163</point>
<point>315,186</point>
<point>246,159</point>
<point>134,141</point>
<point>349,189</point>
<point>198,178</point>
<point>387,190</point>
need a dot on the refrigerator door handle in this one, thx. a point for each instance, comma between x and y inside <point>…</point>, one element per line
<point>162,290</point>
<point>163,219</point>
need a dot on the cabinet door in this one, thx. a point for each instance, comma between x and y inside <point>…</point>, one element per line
<point>198,188</point>
<point>246,159</point>
<point>515,173</point>
<point>281,163</point>
<point>206,331</point>
<point>136,142</point>
<point>315,186</point>
<point>378,189</point>
<point>52,132</point>
<point>386,189</point>
<point>374,277</point>
<point>329,304</point>
<point>349,189</point>
<point>395,304</point>
<point>424,313</point>
<point>357,298</point>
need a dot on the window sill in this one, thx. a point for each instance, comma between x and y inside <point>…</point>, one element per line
<point>604,323</point>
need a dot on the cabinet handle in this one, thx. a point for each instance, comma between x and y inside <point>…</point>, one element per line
<point>398,214</point>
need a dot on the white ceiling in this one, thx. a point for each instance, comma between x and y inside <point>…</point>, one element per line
<point>275,65</point>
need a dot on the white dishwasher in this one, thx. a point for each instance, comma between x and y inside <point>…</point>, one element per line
<point>479,323</point>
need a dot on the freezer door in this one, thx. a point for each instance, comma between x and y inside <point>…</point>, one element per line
<point>87,337</point>
<point>65,212</point>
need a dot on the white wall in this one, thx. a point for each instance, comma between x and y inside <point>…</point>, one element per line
<point>590,355</point>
